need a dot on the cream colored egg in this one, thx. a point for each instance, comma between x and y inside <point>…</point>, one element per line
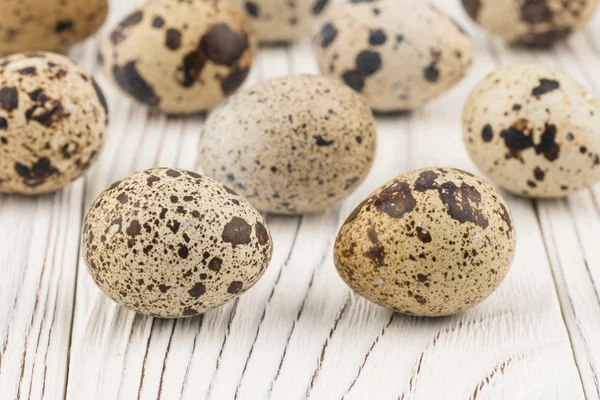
<point>432,242</point>
<point>534,131</point>
<point>533,23</point>
<point>49,25</point>
<point>276,21</point>
<point>180,57</point>
<point>53,119</point>
<point>398,54</point>
<point>172,243</point>
<point>291,145</point>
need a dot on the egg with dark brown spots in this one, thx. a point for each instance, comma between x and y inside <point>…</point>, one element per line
<point>533,130</point>
<point>49,25</point>
<point>277,21</point>
<point>398,54</point>
<point>53,122</point>
<point>538,23</point>
<point>291,145</point>
<point>172,243</point>
<point>432,242</point>
<point>180,57</point>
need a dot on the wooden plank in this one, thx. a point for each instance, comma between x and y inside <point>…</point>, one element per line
<point>567,224</point>
<point>113,345</point>
<point>237,333</point>
<point>39,239</point>
<point>503,336</point>
<point>571,226</point>
<point>37,291</point>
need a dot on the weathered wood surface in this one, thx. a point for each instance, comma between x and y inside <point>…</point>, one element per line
<point>301,332</point>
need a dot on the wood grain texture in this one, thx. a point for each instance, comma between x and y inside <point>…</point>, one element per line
<point>301,332</point>
<point>571,227</point>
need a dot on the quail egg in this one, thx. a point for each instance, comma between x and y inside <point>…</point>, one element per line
<point>397,54</point>
<point>291,145</point>
<point>172,243</point>
<point>534,131</point>
<point>180,57</point>
<point>49,25</point>
<point>282,20</point>
<point>53,120</point>
<point>432,242</point>
<point>534,23</point>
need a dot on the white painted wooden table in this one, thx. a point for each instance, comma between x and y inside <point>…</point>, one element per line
<point>301,332</point>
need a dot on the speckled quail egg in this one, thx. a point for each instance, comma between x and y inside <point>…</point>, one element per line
<point>172,243</point>
<point>49,25</point>
<point>53,119</point>
<point>534,131</point>
<point>291,145</point>
<point>531,22</point>
<point>397,54</point>
<point>180,57</point>
<point>432,242</point>
<point>282,20</point>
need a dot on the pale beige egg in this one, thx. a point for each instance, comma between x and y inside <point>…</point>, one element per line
<point>291,145</point>
<point>432,242</point>
<point>532,23</point>
<point>172,243</point>
<point>180,57</point>
<point>533,130</point>
<point>53,122</point>
<point>49,25</point>
<point>276,21</point>
<point>397,54</point>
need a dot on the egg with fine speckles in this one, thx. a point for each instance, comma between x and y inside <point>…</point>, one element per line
<point>172,243</point>
<point>49,25</point>
<point>398,54</point>
<point>291,145</point>
<point>432,242</point>
<point>533,130</point>
<point>180,57</point>
<point>53,122</point>
<point>276,21</point>
<point>538,23</point>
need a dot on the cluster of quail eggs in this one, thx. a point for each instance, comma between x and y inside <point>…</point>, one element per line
<point>174,243</point>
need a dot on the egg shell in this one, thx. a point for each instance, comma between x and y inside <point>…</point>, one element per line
<point>432,242</point>
<point>172,243</point>
<point>534,131</point>
<point>291,145</point>
<point>181,57</point>
<point>534,23</point>
<point>276,21</point>
<point>49,25</point>
<point>53,119</point>
<point>397,54</point>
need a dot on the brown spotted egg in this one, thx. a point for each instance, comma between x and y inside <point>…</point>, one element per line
<point>172,243</point>
<point>282,20</point>
<point>531,22</point>
<point>432,242</point>
<point>291,145</point>
<point>534,131</point>
<point>50,25</point>
<point>53,120</point>
<point>180,56</point>
<point>397,54</point>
